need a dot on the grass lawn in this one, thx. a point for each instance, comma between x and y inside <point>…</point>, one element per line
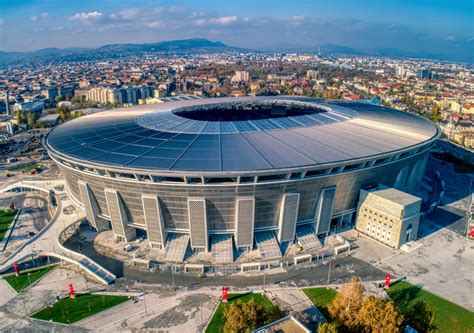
<point>22,281</point>
<point>449,316</point>
<point>321,298</point>
<point>70,310</point>
<point>25,167</point>
<point>6,218</point>
<point>217,322</point>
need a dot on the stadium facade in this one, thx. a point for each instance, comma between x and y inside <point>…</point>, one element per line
<point>235,167</point>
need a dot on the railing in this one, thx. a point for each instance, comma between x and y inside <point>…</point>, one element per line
<point>33,239</point>
<point>89,265</point>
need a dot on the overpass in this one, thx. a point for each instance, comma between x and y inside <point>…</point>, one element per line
<point>46,242</point>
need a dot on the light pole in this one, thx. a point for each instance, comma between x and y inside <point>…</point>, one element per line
<point>24,306</point>
<point>264,278</point>
<point>144,302</point>
<point>329,270</point>
<point>172,277</point>
<point>200,306</point>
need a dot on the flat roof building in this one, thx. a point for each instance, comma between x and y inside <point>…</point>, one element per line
<point>235,172</point>
<point>388,215</point>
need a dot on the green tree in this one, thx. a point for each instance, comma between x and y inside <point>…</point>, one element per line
<point>379,315</point>
<point>327,328</point>
<point>435,114</point>
<point>31,121</point>
<point>421,318</point>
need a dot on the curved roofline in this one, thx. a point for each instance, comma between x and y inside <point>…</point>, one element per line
<point>335,144</point>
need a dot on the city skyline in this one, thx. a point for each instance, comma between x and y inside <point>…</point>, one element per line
<point>438,29</point>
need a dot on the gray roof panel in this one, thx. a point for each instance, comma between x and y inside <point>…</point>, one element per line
<point>238,134</point>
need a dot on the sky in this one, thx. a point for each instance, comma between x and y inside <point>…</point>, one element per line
<point>440,27</point>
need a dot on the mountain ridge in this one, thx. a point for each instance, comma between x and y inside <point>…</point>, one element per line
<point>194,45</point>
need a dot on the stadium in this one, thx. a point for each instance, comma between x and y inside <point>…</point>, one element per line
<point>235,173</point>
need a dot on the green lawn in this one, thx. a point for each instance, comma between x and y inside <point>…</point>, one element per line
<point>449,316</point>
<point>70,310</point>
<point>321,298</point>
<point>25,167</point>
<point>22,281</point>
<point>217,322</point>
<point>6,218</point>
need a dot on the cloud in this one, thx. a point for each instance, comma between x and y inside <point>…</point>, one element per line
<point>225,20</point>
<point>297,18</point>
<point>200,22</point>
<point>175,9</point>
<point>86,17</point>
<point>126,14</point>
<point>155,24</point>
<point>2,21</point>
<point>37,17</point>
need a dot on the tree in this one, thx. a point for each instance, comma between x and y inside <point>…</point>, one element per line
<point>435,115</point>
<point>327,328</point>
<point>346,304</point>
<point>379,315</point>
<point>31,121</point>
<point>421,318</point>
<point>243,317</point>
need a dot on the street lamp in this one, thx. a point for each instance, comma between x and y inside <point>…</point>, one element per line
<point>329,270</point>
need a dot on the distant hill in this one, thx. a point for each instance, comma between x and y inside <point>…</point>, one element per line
<point>333,49</point>
<point>194,45</point>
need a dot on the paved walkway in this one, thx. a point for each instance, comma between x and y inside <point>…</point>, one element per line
<point>6,291</point>
<point>46,243</point>
<point>164,311</point>
<point>294,300</point>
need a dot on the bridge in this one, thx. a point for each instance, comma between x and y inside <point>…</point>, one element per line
<point>46,243</point>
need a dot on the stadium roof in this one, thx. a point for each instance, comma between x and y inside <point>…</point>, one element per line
<point>238,134</point>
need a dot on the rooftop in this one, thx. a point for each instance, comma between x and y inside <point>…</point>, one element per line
<point>394,195</point>
<point>238,134</point>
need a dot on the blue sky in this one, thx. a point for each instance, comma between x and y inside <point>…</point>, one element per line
<point>437,27</point>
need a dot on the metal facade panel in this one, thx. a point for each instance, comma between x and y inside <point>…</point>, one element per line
<point>154,220</point>
<point>117,214</point>
<point>288,217</point>
<point>324,210</point>
<point>198,223</point>
<point>245,221</point>
<point>89,203</point>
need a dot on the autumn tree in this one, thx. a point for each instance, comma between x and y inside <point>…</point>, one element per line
<point>347,303</point>
<point>379,315</point>
<point>421,318</point>
<point>243,316</point>
<point>327,328</point>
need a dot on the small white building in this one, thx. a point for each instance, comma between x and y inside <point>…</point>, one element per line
<point>388,215</point>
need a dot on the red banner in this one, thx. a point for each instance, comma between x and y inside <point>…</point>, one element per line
<point>16,268</point>
<point>472,231</point>
<point>71,290</point>
<point>387,280</point>
<point>224,294</point>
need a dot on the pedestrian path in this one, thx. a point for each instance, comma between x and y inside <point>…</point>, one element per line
<point>46,242</point>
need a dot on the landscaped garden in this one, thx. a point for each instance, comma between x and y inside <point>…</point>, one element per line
<point>26,278</point>
<point>70,310</point>
<point>449,317</point>
<point>270,312</point>
<point>321,298</point>
<point>6,218</point>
